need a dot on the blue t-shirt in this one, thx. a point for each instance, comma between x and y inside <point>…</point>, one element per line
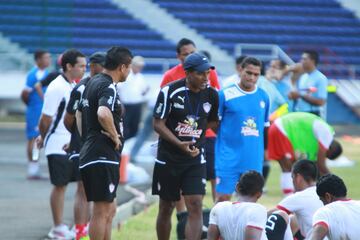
<point>284,87</point>
<point>33,77</point>
<point>276,99</point>
<point>307,80</point>
<point>240,140</point>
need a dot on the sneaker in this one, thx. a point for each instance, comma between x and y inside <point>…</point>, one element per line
<point>37,177</point>
<point>61,232</point>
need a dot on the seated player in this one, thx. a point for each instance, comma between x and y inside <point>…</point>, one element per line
<point>340,217</point>
<point>246,219</point>
<point>304,203</point>
<point>297,136</point>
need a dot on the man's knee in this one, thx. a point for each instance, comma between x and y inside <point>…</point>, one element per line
<point>59,189</point>
<point>276,225</point>
<point>283,215</point>
<point>166,208</point>
<point>193,204</point>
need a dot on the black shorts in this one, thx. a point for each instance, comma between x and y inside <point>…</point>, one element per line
<point>210,158</point>
<point>169,180</point>
<point>62,170</point>
<point>100,181</point>
<point>275,227</point>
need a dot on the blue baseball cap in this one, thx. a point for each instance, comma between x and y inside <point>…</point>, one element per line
<point>197,62</point>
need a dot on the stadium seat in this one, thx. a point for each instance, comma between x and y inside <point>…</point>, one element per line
<point>89,25</point>
<point>294,25</point>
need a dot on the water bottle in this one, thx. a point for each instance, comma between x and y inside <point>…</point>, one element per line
<point>35,152</point>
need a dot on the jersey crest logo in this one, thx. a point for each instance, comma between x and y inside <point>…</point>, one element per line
<point>189,128</point>
<point>262,104</point>
<point>207,107</point>
<point>250,128</point>
<point>159,108</point>
<point>85,103</point>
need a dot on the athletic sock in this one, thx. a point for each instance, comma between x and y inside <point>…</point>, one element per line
<point>287,186</point>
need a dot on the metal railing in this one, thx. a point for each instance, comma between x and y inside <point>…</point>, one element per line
<point>273,52</point>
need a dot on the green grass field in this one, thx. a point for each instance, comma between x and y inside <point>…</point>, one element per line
<point>142,226</point>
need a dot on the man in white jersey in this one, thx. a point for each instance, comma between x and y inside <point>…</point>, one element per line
<point>245,219</point>
<point>340,217</point>
<point>54,136</point>
<point>304,203</point>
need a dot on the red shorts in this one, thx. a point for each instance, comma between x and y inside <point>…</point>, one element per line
<point>279,145</point>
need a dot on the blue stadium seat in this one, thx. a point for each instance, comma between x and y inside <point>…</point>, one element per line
<point>294,25</point>
<point>89,25</point>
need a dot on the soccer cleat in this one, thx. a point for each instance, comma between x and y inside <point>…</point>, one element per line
<point>61,232</point>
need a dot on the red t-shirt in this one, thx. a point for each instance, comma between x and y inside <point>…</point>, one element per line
<point>178,72</point>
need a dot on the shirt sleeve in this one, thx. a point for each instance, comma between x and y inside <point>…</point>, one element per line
<point>289,204</point>
<point>73,101</point>
<point>107,96</point>
<point>213,218</point>
<point>213,115</point>
<point>52,99</point>
<point>49,78</point>
<point>30,82</point>
<point>162,106</point>
<point>323,133</point>
<point>321,216</point>
<point>221,104</point>
<point>258,218</point>
<point>214,80</point>
<point>322,83</point>
<point>267,111</point>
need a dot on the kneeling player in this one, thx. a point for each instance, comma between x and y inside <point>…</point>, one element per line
<point>246,219</point>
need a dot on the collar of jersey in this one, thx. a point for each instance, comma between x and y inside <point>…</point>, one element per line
<point>245,92</point>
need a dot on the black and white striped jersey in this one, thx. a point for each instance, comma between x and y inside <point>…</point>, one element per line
<point>187,114</point>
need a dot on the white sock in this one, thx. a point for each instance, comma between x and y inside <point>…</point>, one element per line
<point>286,183</point>
<point>33,168</point>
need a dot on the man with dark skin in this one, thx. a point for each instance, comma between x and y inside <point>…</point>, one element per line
<point>183,112</point>
<point>339,218</point>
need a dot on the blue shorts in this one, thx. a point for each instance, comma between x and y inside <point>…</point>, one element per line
<point>226,182</point>
<point>32,121</point>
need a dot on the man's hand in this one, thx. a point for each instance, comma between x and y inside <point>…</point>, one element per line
<point>39,141</point>
<point>189,148</point>
<point>294,95</point>
<point>66,147</point>
<point>115,139</point>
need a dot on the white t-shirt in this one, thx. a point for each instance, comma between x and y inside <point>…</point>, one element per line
<point>303,204</point>
<point>232,218</point>
<point>342,218</point>
<point>132,90</point>
<point>56,98</point>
